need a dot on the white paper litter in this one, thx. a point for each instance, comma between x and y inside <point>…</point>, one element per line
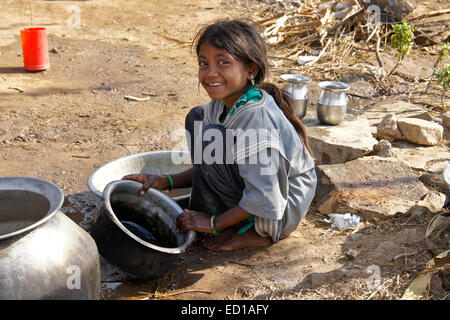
<point>304,59</point>
<point>343,220</point>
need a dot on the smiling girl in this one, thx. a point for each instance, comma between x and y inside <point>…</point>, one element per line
<point>242,203</point>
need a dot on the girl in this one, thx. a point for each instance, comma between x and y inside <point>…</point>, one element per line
<point>261,179</point>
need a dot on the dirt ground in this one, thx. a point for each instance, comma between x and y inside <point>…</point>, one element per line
<point>64,123</point>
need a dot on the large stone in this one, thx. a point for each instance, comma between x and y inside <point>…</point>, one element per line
<point>376,112</point>
<point>369,187</point>
<point>433,202</point>
<point>349,140</point>
<point>435,180</point>
<point>421,132</point>
<point>431,159</point>
<point>387,129</point>
<point>383,149</point>
<point>446,119</point>
<point>424,116</point>
<point>319,279</point>
<point>395,10</point>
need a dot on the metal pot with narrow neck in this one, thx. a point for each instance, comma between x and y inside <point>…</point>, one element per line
<point>332,103</point>
<point>297,87</point>
<point>43,254</point>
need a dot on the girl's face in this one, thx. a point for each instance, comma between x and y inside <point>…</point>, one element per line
<point>222,76</point>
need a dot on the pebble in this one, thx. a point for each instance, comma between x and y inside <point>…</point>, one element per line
<point>386,246</point>
<point>356,236</point>
<point>54,50</point>
<point>409,235</point>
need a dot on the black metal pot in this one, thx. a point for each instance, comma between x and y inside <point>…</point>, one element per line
<point>154,211</point>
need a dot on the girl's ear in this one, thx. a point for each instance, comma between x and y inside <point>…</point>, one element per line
<point>252,70</point>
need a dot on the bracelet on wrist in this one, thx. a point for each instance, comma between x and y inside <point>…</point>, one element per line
<point>170,181</point>
<point>213,229</point>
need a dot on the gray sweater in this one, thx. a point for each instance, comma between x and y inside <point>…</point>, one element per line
<point>277,169</point>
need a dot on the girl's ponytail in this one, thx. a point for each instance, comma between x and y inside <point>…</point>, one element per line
<point>286,104</point>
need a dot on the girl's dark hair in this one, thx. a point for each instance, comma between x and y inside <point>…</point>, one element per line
<point>241,39</point>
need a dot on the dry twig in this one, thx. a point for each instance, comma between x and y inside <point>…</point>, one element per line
<point>320,54</point>
<point>179,41</point>
<point>390,281</point>
<point>162,295</point>
<point>377,51</point>
<point>430,14</point>
<point>404,255</point>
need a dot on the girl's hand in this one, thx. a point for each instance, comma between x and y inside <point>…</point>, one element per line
<point>194,220</point>
<point>149,181</point>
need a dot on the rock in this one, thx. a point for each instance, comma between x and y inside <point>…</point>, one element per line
<point>435,180</point>
<point>438,165</point>
<point>424,116</point>
<point>376,112</point>
<point>388,129</point>
<point>432,159</point>
<point>420,131</point>
<point>439,226</point>
<point>433,202</point>
<point>386,250</point>
<point>386,246</point>
<point>354,240</point>
<point>446,119</point>
<point>409,235</point>
<point>383,149</point>
<point>356,236</point>
<point>369,187</point>
<point>349,140</point>
<point>54,50</point>
<point>395,10</point>
<point>318,279</point>
<point>342,9</point>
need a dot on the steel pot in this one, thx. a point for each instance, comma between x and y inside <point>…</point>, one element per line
<point>43,253</point>
<point>297,87</point>
<point>446,175</point>
<point>332,103</point>
<point>154,211</point>
<point>153,162</point>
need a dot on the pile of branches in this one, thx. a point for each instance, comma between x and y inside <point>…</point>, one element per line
<point>311,23</point>
<point>327,32</point>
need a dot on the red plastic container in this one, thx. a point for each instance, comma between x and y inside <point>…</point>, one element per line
<point>35,49</point>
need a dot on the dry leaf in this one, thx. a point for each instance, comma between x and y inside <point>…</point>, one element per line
<point>135,98</point>
<point>417,290</point>
<point>437,225</point>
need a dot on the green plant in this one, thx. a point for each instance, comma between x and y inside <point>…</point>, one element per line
<point>443,79</point>
<point>402,41</point>
<point>443,54</point>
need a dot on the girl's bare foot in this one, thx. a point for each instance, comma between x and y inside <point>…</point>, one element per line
<point>212,243</point>
<point>230,240</point>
